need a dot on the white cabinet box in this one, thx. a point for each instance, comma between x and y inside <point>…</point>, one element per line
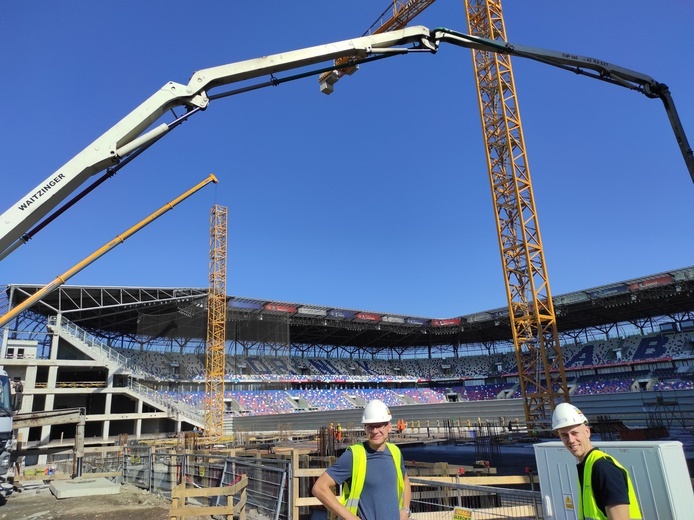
<point>658,471</point>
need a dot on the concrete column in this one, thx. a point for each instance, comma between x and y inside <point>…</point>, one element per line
<point>107,412</point>
<point>50,386</point>
<point>29,389</point>
<point>50,402</point>
<point>27,403</point>
<point>3,346</point>
<point>138,422</point>
<point>79,448</point>
<point>54,343</point>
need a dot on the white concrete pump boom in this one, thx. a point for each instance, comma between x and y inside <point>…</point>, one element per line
<point>585,66</point>
<point>128,135</point>
<point>132,134</point>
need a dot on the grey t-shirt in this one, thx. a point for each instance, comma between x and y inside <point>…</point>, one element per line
<point>379,498</point>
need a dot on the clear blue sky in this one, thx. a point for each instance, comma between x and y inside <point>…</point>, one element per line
<point>376,197</point>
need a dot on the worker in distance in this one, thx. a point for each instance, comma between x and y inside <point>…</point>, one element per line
<point>605,488</point>
<point>375,485</point>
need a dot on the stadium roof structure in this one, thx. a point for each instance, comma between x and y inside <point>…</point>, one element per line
<point>181,313</point>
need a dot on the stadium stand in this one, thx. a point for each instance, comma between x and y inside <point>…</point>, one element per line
<point>661,361</point>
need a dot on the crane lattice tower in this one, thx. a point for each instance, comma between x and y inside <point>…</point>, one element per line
<point>216,324</point>
<point>541,374</point>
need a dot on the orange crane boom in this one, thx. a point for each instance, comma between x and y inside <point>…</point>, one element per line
<point>403,12</point>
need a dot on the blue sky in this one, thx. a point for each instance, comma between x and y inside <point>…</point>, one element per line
<point>376,197</point>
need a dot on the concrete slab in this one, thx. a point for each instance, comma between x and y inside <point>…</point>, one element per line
<point>83,487</point>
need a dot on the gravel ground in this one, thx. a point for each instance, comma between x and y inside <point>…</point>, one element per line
<point>36,502</point>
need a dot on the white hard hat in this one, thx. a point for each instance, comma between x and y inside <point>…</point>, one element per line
<point>375,412</point>
<point>566,414</point>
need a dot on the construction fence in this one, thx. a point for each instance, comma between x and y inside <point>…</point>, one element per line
<point>433,500</point>
<point>279,486</point>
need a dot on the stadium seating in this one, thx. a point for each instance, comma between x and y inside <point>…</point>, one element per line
<point>602,366</point>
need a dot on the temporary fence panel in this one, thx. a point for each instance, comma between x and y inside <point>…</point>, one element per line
<point>193,502</point>
<point>103,462</point>
<point>137,466</point>
<point>106,461</point>
<point>432,500</point>
<point>268,481</point>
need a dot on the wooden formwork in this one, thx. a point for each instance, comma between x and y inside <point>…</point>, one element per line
<point>181,509</point>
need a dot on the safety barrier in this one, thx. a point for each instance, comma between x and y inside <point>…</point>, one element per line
<point>279,486</point>
<point>221,498</point>
<point>433,500</point>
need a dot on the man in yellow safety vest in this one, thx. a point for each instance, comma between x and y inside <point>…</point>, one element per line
<point>605,489</point>
<point>381,493</point>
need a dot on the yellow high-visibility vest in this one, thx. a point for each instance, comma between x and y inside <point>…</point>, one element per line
<point>351,492</point>
<point>587,506</point>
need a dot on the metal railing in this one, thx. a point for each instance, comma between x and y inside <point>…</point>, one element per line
<point>106,353</point>
<point>167,401</point>
<point>438,500</point>
<point>101,349</point>
<point>161,472</point>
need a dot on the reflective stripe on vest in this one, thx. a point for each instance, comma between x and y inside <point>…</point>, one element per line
<point>352,491</point>
<point>587,506</point>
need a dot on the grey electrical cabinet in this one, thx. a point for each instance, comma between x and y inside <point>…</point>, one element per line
<point>658,470</point>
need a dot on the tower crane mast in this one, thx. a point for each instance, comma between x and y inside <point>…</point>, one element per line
<point>215,358</point>
<point>541,373</point>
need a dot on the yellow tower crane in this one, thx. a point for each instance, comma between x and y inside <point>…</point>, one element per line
<point>533,322</point>
<point>215,359</point>
<point>541,373</point>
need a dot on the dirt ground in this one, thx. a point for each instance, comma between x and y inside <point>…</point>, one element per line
<point>36,502</point>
